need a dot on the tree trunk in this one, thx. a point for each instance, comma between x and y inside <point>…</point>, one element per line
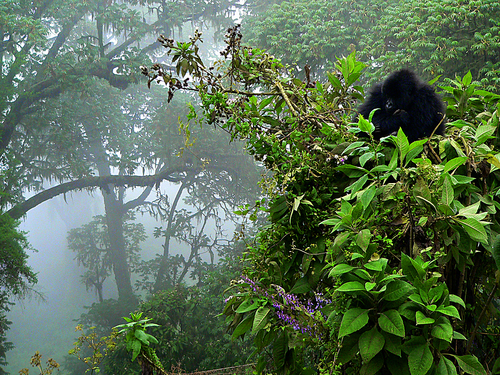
<point>114,221</point>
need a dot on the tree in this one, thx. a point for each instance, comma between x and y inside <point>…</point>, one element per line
<point>56,53</point>
<point>92,247</point>
<point>379,256</point>
<point>433,37</point>
<point>91,45</point>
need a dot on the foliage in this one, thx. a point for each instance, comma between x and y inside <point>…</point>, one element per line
<point>16,277</point>
<point>379,257</point>
<point>36,361</point>
<point>434,37</point>
<point>99,348</point>
<point>191,333</point>
<point>138,341</point>
<point>91,244</point>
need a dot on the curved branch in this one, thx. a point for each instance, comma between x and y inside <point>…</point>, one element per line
<point>103,182</point>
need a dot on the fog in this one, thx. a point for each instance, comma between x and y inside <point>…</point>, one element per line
<point>48,325</point>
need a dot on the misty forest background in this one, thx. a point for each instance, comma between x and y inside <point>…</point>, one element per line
<point>118,194</point>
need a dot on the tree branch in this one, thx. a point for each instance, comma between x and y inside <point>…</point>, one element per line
<point>169,174</point>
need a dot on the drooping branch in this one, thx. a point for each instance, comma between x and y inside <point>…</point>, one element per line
<point>170,174</point>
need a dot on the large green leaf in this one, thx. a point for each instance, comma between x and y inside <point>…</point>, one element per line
<point>422,319</point>
<point>301,286</point>
<point>280,348</point>
<point>247,305</point>
<point>353,320</point>
<point>370,344</point>
<point>243,327</point>
<point>449,310</point>
<point>420,359</point>
<point>474,229</point>
<point>454,163</point>
<point>351,286</point>
<point>349,348</point>
<point>340,269</point>
<point>446,367</point>
<point>392,344</point>
<point>442,329</point>
<point>470,364</point>
<point>390,321</point>
<point>397,289</point>
<point>260,320</point>
<point>373,367</point>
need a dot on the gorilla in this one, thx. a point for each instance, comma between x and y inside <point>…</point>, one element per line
<point>405,102</point>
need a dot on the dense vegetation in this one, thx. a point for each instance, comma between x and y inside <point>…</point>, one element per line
<point>433,37</point>
<point>379,257</point>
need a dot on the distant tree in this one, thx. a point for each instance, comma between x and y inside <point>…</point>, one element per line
<point>91,245</point>
<point>433,37</point>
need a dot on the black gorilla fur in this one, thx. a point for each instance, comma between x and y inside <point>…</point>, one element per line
<point>405,102</point>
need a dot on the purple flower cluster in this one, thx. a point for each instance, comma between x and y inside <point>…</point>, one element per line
<point>300,315</point>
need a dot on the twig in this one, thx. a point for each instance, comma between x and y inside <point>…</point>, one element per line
<point>285,96</point>
<point>490,297</point>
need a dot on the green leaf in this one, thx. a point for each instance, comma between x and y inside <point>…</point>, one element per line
<point>467,80</point>
<point>391,322</point>
<point>483,133</point>
<point>373,367</point>
<point>457,299</point>
<point>141,336</point>
<point>454,163</point>
<point>397,289</point>
<point>495,252</point>
<point>301,286</point>
<point>422,319</point>
<point>247,305</point>
<point>411,269</point>
<point>474,229</point>
<point>354,319</point>
<point>351,286</point>
<point>449,310</point>
<point>369,286</point>
<point>367,196</point>
<point>442,329</point>
<point>243,327</point>
<point>370,344</point>
<point>260,320</point>
<point>357,185</point>
<point>349,348</point>
<point>136,346</point>
<point>470,364</point>
<point>340,269</point>
<point>446,367</point>
<point>402,144</point>
<point>363,239</point>
<point>458,336</point>
<point>280,348</point>
<point>392,344</point>
<point>377,265</point>
<point>363,159</point>
<point>420,359</point>
<point>448,193</point>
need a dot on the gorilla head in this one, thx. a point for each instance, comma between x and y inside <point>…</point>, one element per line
<point>404,101</point>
